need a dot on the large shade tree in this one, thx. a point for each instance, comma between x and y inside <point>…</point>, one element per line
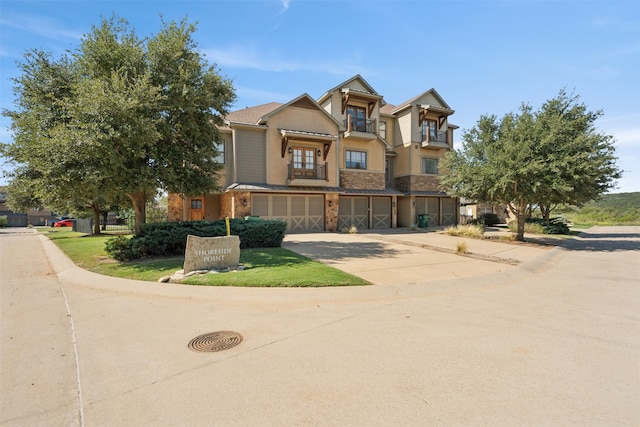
<point>139,114</point>
<point>533,158</point>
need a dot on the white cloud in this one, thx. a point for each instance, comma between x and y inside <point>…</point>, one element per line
<point>249,58</point>
<point>285,6</point>
<point>40,26</point>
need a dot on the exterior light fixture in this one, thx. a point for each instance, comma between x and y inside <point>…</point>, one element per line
<point>319,152</point>
<point>290,150</point>
<point>393,203</point>
<point>244,202</point>
<point>330,203</point>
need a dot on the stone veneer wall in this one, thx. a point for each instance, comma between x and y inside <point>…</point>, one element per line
<point>362,180</point>
<point>417,183</point>
<point>238,197</point>
<point>174,207</point>
<point>331,212</point>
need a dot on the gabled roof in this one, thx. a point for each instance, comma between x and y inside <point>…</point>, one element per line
<point>413,100</point>
<point>370,90</point>
<point>252,115</point>
<point>303,101</point>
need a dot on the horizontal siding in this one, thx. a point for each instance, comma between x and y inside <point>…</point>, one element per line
<point>250,157</point>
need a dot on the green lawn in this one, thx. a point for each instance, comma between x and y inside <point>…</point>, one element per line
<point>270,267</point>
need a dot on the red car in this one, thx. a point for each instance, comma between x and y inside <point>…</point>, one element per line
<point>64,223</point>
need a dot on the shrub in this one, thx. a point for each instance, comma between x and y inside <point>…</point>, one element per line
<point>468,230</point>
<point>4,221</point>
<point>489,219</point>
<point>557,225</point>
<point>461,247</point>
<point>170,238</point>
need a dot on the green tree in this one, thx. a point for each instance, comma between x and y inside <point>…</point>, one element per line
<point>580,160</point>
<point>123,115</point>
<point>56,166</point>
<point>533,158</point>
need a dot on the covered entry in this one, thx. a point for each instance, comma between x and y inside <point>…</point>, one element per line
<point>302,212</point>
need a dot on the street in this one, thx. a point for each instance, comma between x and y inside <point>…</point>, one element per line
<point>552,342</point>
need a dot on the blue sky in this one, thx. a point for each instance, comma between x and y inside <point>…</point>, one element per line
<point>482,57</point>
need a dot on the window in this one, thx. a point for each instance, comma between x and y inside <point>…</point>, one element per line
<point>357,117</point>
<point>429,166</point>
<point>429,130</point>
<point>196,204</point>
<point>383,130</point>
<point>356,159</point>
<point>220,157</point>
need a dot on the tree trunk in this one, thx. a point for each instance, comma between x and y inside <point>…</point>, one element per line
<point>139,202</point>
<point>105,218</point>
<point>546,212</point>
<point>520,212</point>
<point>96,218</point>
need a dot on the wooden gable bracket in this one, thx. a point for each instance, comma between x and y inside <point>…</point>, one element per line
<point>325,150</point>
<point>372,106</point>
<point>422,116</point>
<point>285,142</point>
<point>345,101</point>
<point>441,120</point>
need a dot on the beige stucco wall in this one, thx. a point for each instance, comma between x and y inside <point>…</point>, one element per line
<point>374,148</point>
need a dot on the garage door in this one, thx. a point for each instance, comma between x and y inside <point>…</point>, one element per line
<point>448,212</point>
<point>353,211</point>
<point>301,212</point>
<point>381,212</point>
<point>428,205</point>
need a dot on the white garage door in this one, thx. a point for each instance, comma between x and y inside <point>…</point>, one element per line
<point>301,212</point>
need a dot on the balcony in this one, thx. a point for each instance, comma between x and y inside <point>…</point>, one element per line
<point>439,140</point>
<point>360,128</point>
<point>316,175</point>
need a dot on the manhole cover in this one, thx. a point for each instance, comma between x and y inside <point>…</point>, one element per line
<point>215,341</point>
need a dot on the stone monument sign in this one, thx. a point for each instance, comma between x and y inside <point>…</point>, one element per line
<point>211,253</point>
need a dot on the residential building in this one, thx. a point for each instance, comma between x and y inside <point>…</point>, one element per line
<point>345,159</point>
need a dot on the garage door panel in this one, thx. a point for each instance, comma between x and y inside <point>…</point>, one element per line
<point>300,212</point>
<point>381,214</point>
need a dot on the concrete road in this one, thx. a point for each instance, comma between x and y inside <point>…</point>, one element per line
<point>554,341</point>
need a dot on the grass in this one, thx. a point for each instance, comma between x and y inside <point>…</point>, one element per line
<point>461,247</point>
<point>469,230</point>
<point>269,267</point>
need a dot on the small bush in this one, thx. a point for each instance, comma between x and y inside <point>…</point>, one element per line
<point>4,221</point>
<point>349,230</point>
<point>461,247</point>
<point>170,238</point>
<point>489,219</point>
<point>557,225</point>
<point>469,230</point>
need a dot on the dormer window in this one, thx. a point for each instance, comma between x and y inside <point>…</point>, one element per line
<point>429,130</point>
<point>357,118</point>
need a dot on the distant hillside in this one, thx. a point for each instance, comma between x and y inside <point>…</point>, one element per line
<point>610,209</point>
<point>617,201</point>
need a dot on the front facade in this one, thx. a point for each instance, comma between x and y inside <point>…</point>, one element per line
<point>346,159</point>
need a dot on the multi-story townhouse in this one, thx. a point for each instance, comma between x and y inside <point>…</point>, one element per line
<point>346,159</point>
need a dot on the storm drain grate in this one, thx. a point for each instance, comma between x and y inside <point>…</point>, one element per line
<point>215,341</point>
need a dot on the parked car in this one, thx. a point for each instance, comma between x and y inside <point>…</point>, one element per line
<point>64,222</point>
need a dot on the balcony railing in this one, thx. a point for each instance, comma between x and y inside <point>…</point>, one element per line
<point>319,172</point>
<point>360,125</point>
<point>438,137</point>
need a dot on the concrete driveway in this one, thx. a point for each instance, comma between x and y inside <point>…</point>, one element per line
<point>554,340</point>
